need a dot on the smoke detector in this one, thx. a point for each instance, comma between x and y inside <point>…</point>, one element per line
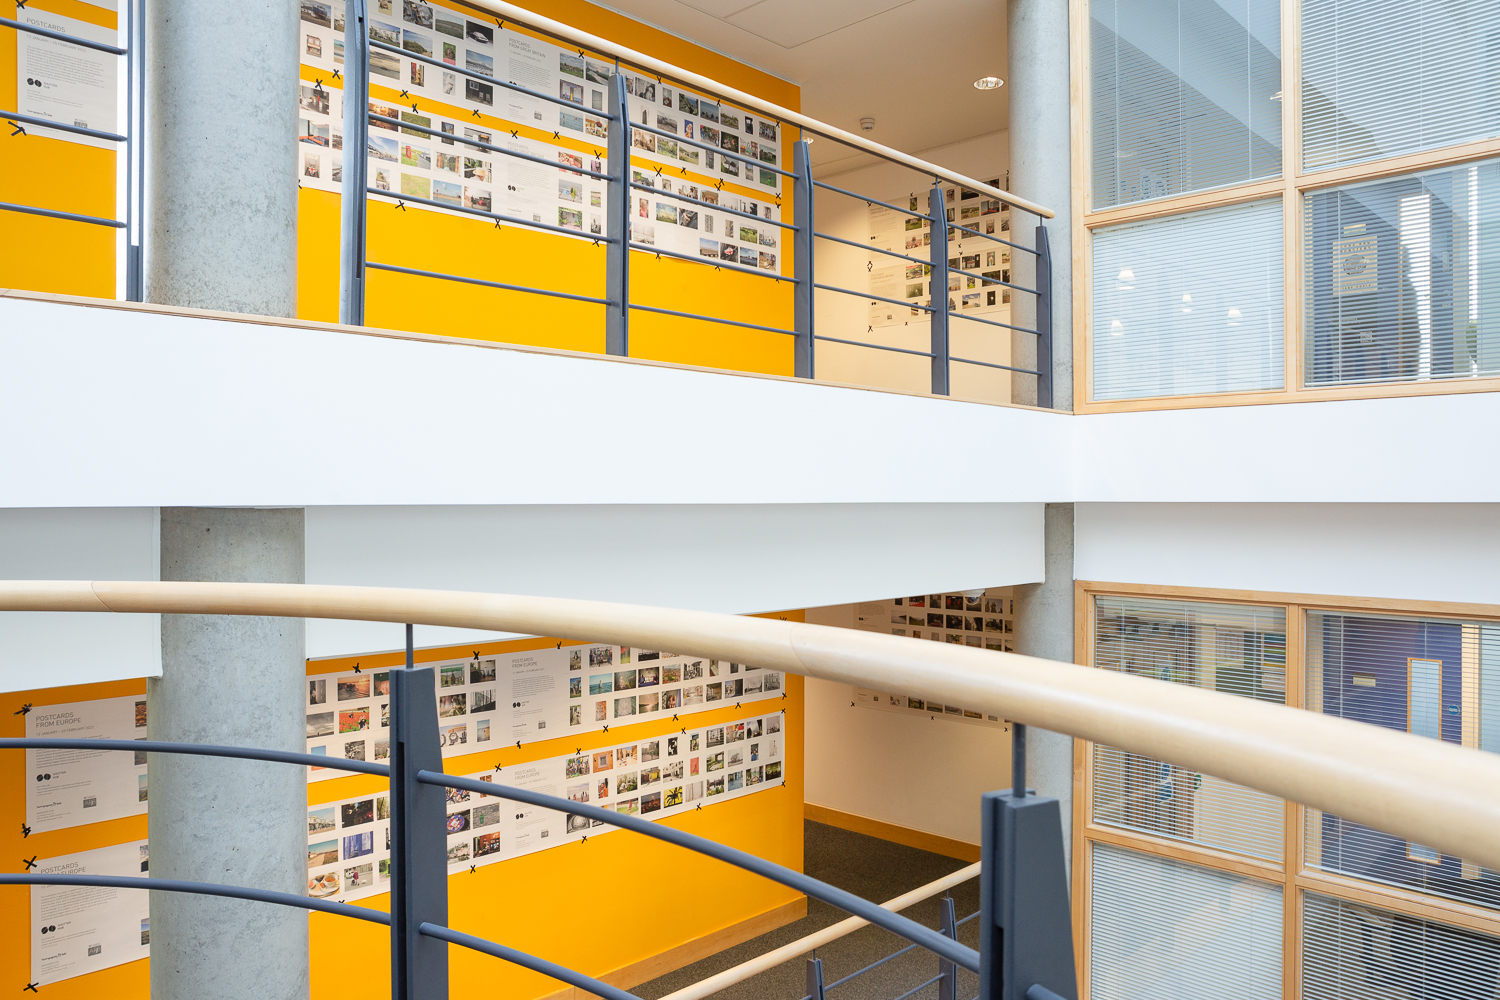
<point>868,124</point>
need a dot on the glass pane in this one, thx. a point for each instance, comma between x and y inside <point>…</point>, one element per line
<point>1431,677</point>
<point>1401,277</point>
<point>1385,77</point>
<point>1165,929</point>
<point>1189,304</point>
<point>1186,96</point>
<point>1236,649</point>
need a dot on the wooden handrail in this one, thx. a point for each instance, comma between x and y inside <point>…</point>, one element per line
<point>1433,793</point>
<point>660,67</point>
<point>817,939</point>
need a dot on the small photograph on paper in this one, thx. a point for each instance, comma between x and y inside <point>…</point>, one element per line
<point>477,198</point>
<point>457,822</point>
<point>354,688</point>
<point>601,683</point>
<point>486,843</point>
<point>692,694</point>
<point>630,807</point>
<point>323,885</point>
<point>601,711</point>
<point>357,813</point>
<point>650,803</point>
<point>601,656</point>
<point>715,786</point>
<point>773,771</point>
<point>715,762</point>
<point>671,699</point>
<point>451,705</point>
<point>478,62</point>
<point>569,91</point>
<point>648,703</point>
<point>626,756</point>
<point>604,760</point>
<point>320,821</point>
<point>480,33</point>
<point>320,724</point>
<point>575,687</point>
<point>458,853</point>
<point>648,676</point>
<point>624,680</point>
<point>736,781</point>
<point>382,685</point>
<point>715,691</point>
<point>481,671</point>
<point>625,782</point>
<point>572,121</point>
<point>455,735</point>
<point>383,63</point>
<point>416,41</point>
<point>417,13</point>
<point>482,700</point>
<point>325,852</point>
<point>453,796</point>
<point>447,23</point>
<point>575,715</point>
<point>479,93</point>
<point>448,192</point>
<point>354,750</point>
<point>576,766</point>
<point>451,676</point>
<point>320,14</point>
<point>354,720</point>
<point>483,816</point>
<point>359,877</point>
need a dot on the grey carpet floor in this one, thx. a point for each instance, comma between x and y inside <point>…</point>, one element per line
<point>866,866</point>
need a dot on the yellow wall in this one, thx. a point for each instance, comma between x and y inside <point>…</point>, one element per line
<point>515,255</point>
<point>600,905</point>
<point>51,255</point>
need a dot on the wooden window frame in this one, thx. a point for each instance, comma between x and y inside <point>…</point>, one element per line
<point>1291,187</point>
<point>1292,874</point>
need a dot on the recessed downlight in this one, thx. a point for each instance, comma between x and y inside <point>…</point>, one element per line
<point>988,83</point>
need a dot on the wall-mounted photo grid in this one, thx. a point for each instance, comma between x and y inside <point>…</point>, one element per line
<point>348,842</point>
<point>521,697</point>
<point>445,172</point>
<point>899,279</point>
<point>986,622</point>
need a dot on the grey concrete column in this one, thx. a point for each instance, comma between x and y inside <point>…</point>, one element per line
<point>1044,627</point>
<point>221,154</point>
<point>1041,171</point>
<point>236,681</point>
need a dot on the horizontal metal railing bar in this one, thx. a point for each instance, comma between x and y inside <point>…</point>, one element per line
<point>871,201</point>
<point>711,319</point>
<point>991,364</point>
<point>201,889</point>
<point>488,284</point>
<point>878,347</point>
<point>877,298</point>
<point>991,237</point>
<point>32,29</point>
<point>869,968</point>
<point>75,129</point>
<point>1039,992</point>
<point>993,322</point>
<point>919,989</point>
<point>733,265</point>
<point>449,67</point>
<point>860,246</point>
<point>639,127</point>
<point>991,281</point>
<point>911,930</point>
<point>768,109</point>
<point>549,227</point>
<point>705,206</point>
<point>967,919</point>
<point>560,972</point>
<point>51,213</point>
<point>501,150</point>
<point>199,750</point>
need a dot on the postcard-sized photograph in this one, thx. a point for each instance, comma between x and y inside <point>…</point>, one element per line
<point>626,756</point>
<point>320,724</point>
<point>382,749</point>
<point>457,822</point>
<point>417,13</point>
<point>715,691</point>
<point>453,796</point>
<point>671,700</point>
<point>624,680</point>
<point>736,781</point>
<point>450,705</point>
<point>602,789</point>
<point>383,148</point>
<point>692,694</point>
<point>601,656</point>
<point>354,750</point>
<point>773,770</point>
<point>354,688</point>
<point>455,735</point>
<point>708,248</point>
<point>480,671</point>
<point>418,42</point>
<point>672,771</point>
<point>359,877</point>
<point>715,786</point>
<point>601,711</point>
<point>624,706</point>
<point>323,885</point>
<point>448,192</point>
<point>650,803</point>
<point>482,700</point>
<point>754,775</point>
<point>320,821</point>
<point>575,687</point>
<point>479,93</point>
<point>575,766</point>
<point>575,715</point>
<point>458,853</point>
<point>483,816</point>
<point>477,198</point>
<point>579,792</point>
<point>604,760</point>
<point>625,782</point>
<point>383,63</point>
<point>569,120</point>
<point>650,702</point>
<point>629,807</point>
<point>320,14</point>
<point>715,736</point>
<point>601,684</point>
<point>570,218</point>
<point>715,762</point>
<point>382,807</point>
<point>324,852</point>
<point>772,681</point>
<point>751,685</point>
<point>486,843</point>
<point>357,813</point>
<point>354,720</point>
<point>357,845</point>
<point>480,33</point>
<point>648,676</point>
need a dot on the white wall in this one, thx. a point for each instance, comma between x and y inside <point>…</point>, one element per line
<point>910,770</point>
<point>844,316</point>
<point>1408,551</point>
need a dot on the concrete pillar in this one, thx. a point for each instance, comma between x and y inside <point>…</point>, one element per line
<point>221,154</point>
<point>1044,627</point>
<point>234,681</point>
<point>1041,171</point>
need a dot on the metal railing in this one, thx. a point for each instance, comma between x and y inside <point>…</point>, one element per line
<point>419,864</point>
<point>130,142</point>
<point>617,237</point>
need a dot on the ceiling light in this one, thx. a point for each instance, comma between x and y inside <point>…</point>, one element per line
<point>988,83</point>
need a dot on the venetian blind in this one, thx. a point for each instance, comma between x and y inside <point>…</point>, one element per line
<point>1161,928</point>
<point>1386,77</point>
<point>1435,678</point>
<point>1189,304</point>
<point>1353,952</point>
<point>1401,277</point>
<point>1236,649</point>
<point>1185,96</point>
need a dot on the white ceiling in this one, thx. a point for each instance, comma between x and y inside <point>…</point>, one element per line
<point>909,64</point>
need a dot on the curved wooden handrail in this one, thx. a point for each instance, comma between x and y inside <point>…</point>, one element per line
<point>1434,793</point>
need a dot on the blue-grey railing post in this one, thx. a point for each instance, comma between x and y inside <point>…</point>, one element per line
<point>1025,923</point>
<point>135,150</point>
<point>617,224</point>
<point>938,234</point>
<point>419,837</point>
<point>1043,316</point>
<point>802,243</point>
<point>815,979</point>
<point>353,196</point>
<point>948,924</point>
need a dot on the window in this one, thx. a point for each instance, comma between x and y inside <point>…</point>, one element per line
<point>1386,77</point>
<point>1401,277</point>
<point>1432,677</point>
<point>1189,304</point>
<point>1237,649</point>
<point>1186,96</point>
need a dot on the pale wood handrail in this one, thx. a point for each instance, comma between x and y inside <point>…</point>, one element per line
<point>1437,794</point>
<point>817,939</point>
